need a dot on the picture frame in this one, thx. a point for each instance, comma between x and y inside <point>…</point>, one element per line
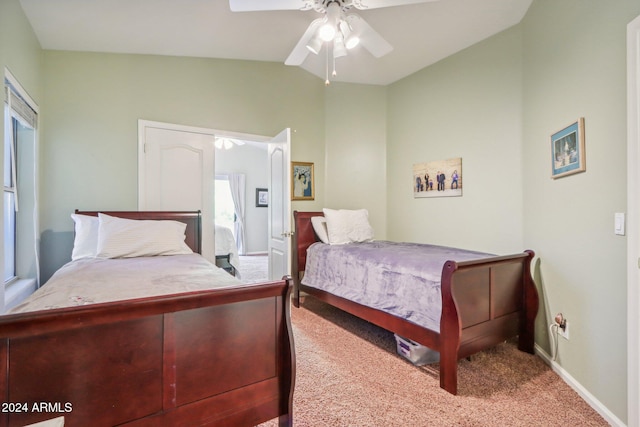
<point>303,181</point>
<point>440,178</point>
<point>262,197</point>
<point>567,150</point>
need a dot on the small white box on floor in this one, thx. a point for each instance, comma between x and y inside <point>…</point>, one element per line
<point>414,352</point>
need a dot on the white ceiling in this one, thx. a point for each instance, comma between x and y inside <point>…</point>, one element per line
<point>421,34</point>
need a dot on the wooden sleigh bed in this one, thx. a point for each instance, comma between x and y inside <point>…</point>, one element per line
<point>484,302</point>
<point>210,357</point>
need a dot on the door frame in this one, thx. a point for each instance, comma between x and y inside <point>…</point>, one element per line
<point>144,124</point>
<point>633,222</point>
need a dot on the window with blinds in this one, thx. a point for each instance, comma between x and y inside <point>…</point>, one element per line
<point>20,193</point>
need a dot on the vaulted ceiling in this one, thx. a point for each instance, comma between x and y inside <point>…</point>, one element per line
<point>421,34</point>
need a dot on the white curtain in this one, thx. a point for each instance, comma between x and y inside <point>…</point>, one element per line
<point>237,184</point>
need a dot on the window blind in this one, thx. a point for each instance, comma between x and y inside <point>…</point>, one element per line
<point>20,107</point>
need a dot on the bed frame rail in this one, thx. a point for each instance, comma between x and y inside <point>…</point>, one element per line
<point>219,357</point>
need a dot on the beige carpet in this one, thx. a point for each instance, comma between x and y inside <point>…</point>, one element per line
<point>348,374</point>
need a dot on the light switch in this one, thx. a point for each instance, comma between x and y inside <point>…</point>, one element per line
<point>619,223</point>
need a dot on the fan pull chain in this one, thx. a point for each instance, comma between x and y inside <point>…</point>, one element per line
<point>334,67</point>
<point>326,68</point>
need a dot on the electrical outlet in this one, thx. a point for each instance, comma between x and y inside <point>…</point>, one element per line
<point>564,332</point>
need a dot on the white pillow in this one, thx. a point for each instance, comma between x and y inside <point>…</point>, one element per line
<point>319,224</point>
<point>347,226</point>
<point>126,238</point>
<point>85,242</point>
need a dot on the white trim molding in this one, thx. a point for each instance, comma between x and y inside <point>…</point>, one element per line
<point>578,388</point>
<point>633,223</point>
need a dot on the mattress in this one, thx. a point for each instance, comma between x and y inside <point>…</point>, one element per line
<point>96,280</point>
<point>402,279</point>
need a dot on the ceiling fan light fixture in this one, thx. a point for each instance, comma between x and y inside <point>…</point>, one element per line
<point>314,45</point>
<point>223,143</point>
<point>327,32</point>
<point>329,29</point>
<point>341,30</point>
<point>339,49</point>
<point>352,41</point>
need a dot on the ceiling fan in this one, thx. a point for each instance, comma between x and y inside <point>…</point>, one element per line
<point>226,143</point>
<point>339,29</point>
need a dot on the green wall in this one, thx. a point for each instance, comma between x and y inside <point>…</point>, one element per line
<point>575,66</point>
<point>469,106</point>
<point>355,151</point>
<point>19,48</point>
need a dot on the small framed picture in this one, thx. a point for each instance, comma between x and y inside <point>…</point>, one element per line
<point>262,197</point>
<point>567,150</point>
<point>302,179</point>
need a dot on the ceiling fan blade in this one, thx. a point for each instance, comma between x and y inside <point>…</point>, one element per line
<point>375,4</point>
<point>300,52</point>
<point>259,5</point>
<point>369,38</point>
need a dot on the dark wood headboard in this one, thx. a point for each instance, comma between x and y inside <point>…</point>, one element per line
<point>304,237</point>
<point>193,219</point>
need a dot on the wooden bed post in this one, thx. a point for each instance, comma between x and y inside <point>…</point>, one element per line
<point>304,236</point>
<point>451,329</point>
<point>288,377</point>
<point>526,337</point>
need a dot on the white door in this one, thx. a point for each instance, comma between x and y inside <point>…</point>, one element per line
<point>279,226</point>
<point>176,172</point>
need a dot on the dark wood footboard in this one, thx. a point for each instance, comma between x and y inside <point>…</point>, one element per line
<point>220,357</point>
<point>484,302</point>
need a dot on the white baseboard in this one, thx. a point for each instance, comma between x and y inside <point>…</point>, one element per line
<point>586,396</point>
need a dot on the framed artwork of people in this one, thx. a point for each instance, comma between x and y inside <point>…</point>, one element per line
<point>441,178</point>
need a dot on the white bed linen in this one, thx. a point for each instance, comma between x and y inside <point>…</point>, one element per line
<point>95,280</point>
<point>226,244</point>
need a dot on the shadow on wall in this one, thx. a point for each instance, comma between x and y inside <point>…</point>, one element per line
<point>542,334</point>
<point>55,251</point>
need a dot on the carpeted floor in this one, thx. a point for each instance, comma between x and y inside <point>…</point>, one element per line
<point>348,374</point>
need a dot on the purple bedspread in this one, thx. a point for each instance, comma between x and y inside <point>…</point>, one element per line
<point>399,278</point>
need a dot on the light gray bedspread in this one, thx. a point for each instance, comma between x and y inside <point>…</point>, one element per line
<point>399,278</point>
<point>95,280</point>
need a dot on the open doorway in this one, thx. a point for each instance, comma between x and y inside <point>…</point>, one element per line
<point>176,171</point>
<point>241,202</point>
